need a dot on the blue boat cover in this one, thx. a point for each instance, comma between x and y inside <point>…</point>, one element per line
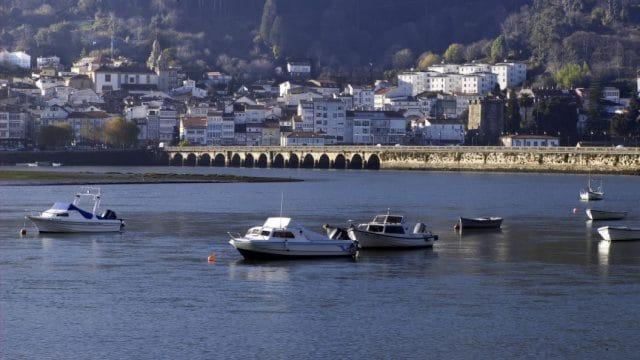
<point>71,207</point>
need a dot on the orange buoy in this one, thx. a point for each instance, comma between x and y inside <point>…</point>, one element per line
<point>211,258</point>
<point>23,232</point>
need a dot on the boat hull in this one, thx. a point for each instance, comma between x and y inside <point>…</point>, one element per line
<point>605,215</point>
<point>610,233</point>
<point>370,240</point>
<point>264,249</point>
<point>53,225</point>
<point>591,196</point>
<point>469,223</point>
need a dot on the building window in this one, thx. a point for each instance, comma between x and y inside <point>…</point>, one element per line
<point>107,77</point>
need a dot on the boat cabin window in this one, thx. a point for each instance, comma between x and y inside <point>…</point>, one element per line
<point>265,233</point>
<point>284,234</point>
<point>394,229</point>
<point>254,232</point>
<point>379,219</point>
<point>62,214</point>
<point>375,228</point>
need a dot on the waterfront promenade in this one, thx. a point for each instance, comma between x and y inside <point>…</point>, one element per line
<point>454,158</point>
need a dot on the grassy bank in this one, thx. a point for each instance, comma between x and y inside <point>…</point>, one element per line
<point>21,177</point>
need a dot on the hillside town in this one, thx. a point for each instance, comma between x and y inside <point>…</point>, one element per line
<point>104,102</point>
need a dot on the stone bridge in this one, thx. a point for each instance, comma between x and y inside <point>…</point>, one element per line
<point>556,159</point>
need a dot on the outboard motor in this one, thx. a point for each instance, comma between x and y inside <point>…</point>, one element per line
<point>420,228</point>
<point>109,215</point>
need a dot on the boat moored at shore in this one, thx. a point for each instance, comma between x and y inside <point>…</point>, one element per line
<point>602,215</point>
<point>70,218</point>
<point>390,231</point>
<point>619,233</point>
<point>282,238</point>
<point>479,223</point>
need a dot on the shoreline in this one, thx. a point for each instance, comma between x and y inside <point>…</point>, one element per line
<point>51,178</point>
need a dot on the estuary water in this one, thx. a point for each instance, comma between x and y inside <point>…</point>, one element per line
<point>544,286</point>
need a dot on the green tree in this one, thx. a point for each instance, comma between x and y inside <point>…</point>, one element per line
<point>498,49</point>
<point>454,54</point>
<point>91,134</point>
<point>512,114</point>
<point>427,59</point>
<point>55,136</point>
<point>557,116</point>
<point>119,132</point>
<point>572,75</point>
<point>402,59</point>
<point>269,14</point>
<point>595,123</point>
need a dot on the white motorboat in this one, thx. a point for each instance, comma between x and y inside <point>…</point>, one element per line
<point>619,233</point>
<point>480,223</point>
<point>391,231</point>
<point>70,218</point>
<point>594,214</point>
<point>281,237</point>
<point>594,190</point>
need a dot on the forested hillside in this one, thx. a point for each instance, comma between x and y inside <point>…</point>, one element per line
<point>567,41</point>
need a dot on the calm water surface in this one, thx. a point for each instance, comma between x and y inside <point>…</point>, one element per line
<point>543,287</point>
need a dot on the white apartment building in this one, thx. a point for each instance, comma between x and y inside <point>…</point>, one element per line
<point>47,62</point>
<point>194,130</point>
<point>16,58</point>
<point>472,68</point>
<point>363,96</point>
<point>478,83</point>
<point>13,128</point>
<point>114,78</point>
<point>299,68</point>
<point>302,139</point>
<point>220,128</point>
<point>510,74</point>
<point>444,68</point>
<point>377,127</point>
<point>439,131</point>
<point>327,117</point>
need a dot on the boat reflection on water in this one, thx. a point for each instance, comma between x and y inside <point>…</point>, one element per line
<point>604,252</point>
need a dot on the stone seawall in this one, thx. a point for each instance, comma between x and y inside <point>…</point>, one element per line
<point>577,161</point>
<point>107,158</point>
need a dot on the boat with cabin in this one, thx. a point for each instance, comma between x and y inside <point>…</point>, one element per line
<point>65,217</point>
<point>283,238</point>
<point>390,231</point>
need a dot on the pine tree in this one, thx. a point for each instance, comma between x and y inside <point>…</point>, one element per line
<point>269,14</point>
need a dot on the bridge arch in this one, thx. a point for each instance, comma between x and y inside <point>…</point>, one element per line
<point>340,162</point>
<point>191,160</point>
<point>236,160</point>
<point>177,160</point>
<point>307,162</point>
<point>219,160</point>
<point>263,161</point>
<point>356,162</point>
<point>294,161</point>
<point>373,163</point>
<point>204,160</point>
<point>278,161</point>
<point>324,162</point>
<point>249,161</point>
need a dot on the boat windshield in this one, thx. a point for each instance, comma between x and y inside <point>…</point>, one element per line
<point>265,233</point>
<point>387,219</point>
<point>375,228</point>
